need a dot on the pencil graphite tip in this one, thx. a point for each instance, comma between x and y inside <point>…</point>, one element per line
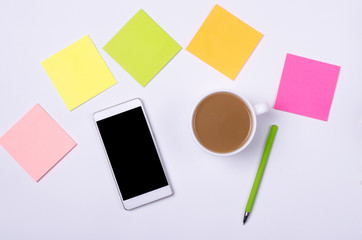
<point>246,215</point>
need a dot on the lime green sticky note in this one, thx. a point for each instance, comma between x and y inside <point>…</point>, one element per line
<point>78,72</point>
<point>142,48</point>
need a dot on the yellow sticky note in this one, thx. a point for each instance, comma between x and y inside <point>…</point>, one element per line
<point>78,72</point>
<point>224,42</point>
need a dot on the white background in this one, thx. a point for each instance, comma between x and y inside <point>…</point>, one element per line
<point>312,186</point>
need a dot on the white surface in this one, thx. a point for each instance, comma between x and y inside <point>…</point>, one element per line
<point>312,186</point>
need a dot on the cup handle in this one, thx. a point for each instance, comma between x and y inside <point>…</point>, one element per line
<point>261,108</point>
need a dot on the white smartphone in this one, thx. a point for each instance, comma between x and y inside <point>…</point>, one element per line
<point>132,153</point>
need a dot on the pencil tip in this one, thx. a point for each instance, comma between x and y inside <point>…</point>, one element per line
<point>246,215</point>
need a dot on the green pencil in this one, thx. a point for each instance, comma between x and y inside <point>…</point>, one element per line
<point>259,174</point>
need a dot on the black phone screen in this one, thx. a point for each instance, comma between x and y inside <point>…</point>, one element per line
<point>132,153</point>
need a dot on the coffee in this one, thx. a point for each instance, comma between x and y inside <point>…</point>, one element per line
<point>222,122</point>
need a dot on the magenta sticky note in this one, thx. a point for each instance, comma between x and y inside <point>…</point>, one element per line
<point>37,142</point>
<point>307,87</point>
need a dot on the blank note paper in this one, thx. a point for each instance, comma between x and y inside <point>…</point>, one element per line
<point>78,72</point>
<point>142,48</point>
<point>224,42</point>
<point>307,87</point>
<point>37,142</point>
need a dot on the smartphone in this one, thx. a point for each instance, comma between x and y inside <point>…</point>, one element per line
<point>132,153</point>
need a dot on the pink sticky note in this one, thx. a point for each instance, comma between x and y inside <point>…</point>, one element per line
<point>37,142</point>
<point>307,87</point>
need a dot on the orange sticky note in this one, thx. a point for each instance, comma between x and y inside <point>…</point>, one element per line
<point>37,142</point>
<point>224,42</point>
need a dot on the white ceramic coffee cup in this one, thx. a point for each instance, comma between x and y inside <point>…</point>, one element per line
<point>255,110</point>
